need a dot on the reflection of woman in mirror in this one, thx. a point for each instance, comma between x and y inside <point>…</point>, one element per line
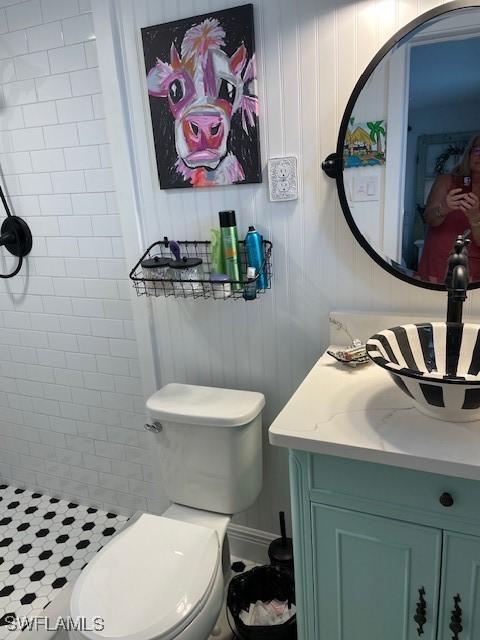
<point>452,207</point>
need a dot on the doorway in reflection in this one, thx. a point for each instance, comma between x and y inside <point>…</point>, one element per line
<point>443,116</point>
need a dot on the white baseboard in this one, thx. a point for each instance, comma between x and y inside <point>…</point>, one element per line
<point>250,544</point>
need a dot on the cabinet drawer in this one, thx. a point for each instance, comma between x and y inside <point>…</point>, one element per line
<point>355,484</point>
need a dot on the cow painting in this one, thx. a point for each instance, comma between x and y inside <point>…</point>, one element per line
<point>201,79</point>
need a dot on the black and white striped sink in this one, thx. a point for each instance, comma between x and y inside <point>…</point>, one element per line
<point>437,364</point>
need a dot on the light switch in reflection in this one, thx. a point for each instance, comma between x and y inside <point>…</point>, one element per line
<point>365,188</point>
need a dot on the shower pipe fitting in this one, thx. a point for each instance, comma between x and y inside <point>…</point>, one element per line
<point>15,236</point>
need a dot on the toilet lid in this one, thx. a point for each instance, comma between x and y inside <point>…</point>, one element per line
<point>149,581</point>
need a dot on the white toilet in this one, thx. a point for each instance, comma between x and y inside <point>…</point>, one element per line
<point>163,577</point>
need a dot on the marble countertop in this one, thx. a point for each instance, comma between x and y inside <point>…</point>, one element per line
<point>359,413</point>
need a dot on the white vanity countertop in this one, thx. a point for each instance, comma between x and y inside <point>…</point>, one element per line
<point>359,413</point>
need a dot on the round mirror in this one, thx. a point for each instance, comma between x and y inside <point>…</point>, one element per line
<point>407,163</point>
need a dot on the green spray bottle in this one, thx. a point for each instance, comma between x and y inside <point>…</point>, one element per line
<point>231,255</point>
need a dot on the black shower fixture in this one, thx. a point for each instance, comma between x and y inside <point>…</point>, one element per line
<point>15,236</point>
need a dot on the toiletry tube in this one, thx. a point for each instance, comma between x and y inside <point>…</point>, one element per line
<point>218,265</point>
<point>229,235</point>
<point>256,255</point>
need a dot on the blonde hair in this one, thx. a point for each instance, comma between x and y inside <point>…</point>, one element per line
<point>463,167</point>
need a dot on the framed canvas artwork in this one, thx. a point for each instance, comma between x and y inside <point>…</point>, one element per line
<point>365,143</point>
<point>201,80</point>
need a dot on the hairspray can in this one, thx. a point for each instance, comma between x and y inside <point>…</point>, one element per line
<point>256,255</point>
<point>229,235</point>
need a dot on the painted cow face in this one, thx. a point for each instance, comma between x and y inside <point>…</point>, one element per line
<point>204,88</point>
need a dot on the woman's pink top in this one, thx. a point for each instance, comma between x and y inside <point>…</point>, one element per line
<point>439,242</point>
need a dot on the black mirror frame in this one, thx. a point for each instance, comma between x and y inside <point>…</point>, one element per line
<point>333,163</point>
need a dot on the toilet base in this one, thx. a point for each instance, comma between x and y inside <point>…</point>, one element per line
<point>221,630</point>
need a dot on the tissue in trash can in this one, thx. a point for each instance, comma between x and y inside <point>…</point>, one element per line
<point>266,614</point>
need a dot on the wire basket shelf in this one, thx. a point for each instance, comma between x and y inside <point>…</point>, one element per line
<point>163,283</point>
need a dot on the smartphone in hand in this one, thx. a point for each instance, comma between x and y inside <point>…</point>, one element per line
<point>463,182</point>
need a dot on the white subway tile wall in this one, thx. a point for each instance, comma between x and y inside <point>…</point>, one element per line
<point>71,410</point>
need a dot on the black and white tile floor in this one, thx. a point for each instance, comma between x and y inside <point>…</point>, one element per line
<point>44,543</point>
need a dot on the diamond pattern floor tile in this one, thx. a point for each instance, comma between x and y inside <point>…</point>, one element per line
<point>44,543</point>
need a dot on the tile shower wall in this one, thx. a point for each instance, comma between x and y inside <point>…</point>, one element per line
<point>71,413</point>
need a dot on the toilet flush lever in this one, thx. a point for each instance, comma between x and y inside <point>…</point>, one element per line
<point>154,427</point>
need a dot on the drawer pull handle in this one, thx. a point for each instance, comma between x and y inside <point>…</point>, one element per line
<point>420,616</point>
<point>456,618</point>
<point>446,499</point>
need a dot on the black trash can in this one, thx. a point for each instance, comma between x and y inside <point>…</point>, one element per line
<point>261,583</point>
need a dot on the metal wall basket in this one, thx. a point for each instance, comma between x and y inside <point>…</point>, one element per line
<point>166,282</point>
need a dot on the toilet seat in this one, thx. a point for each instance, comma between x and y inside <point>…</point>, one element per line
<point>150,581</point>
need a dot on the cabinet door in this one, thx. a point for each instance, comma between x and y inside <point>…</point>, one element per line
<point>460,576</point>
<point>367,574</point>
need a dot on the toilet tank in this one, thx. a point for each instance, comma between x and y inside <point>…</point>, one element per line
<point>209,448</point>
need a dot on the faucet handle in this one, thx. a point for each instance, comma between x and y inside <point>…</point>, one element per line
<point>462,241</point>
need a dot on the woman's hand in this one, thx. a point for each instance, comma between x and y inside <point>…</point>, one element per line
<point>442,200</point>
<point>455,199</point>
<point>472,211</point>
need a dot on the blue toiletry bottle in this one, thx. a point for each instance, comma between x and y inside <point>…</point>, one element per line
<point>256,255</point>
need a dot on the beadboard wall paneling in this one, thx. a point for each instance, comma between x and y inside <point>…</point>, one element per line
<point>310,55</point>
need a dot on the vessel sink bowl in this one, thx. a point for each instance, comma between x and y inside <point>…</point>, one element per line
<point>436,364</point>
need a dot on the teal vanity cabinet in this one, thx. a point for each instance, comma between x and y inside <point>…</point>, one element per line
<point>384,553</point>
<point>460,575</point>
